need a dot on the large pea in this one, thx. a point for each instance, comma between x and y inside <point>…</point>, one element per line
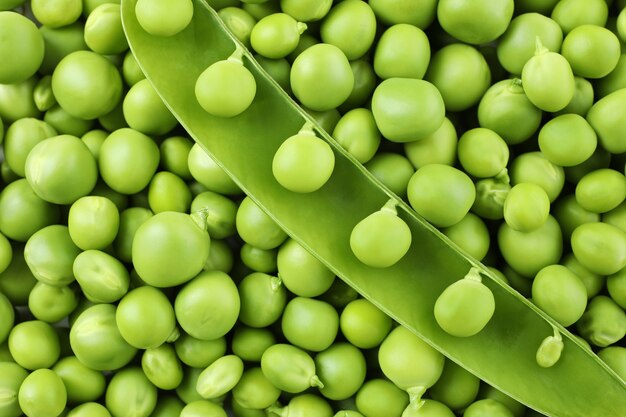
<point>42,394</point>
<point>22,48</point>
<point>50,254</point>
<point>145,111</point>
<point>351,26</point>
<point>256,227</point>
<point>289,368</point>
<point>17,280</point>
<point>437,148</point>
<point>403,50</point>
<point>309,323</point>
<point>34,344</point>
<point>601,190</point>
<point>380,397</point>
<point>82,383</point>
<point>526,207</point>
<point>407,109</point>
<point>341,368</point>
<point>600,247</point>
<point>130,394</point>
<point>579,146</point>
<point>475,22</point>
<point>363,324</point>
<point>535,168</point>
<point>560,293</point>
<point>93,222</point>
<point>162,367</point>
<point>592,51</point>
<point>21,137</point>
<point>199,353</point>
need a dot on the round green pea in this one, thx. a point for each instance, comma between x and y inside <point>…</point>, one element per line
<point>57,13</point>
<point>380,397</point>
<point>162,367</point>
<point>168,192</point>
<point>357,133</point>
<point>17,101</point>
<point>249,343</point>
<point>600,247</point>
<point>604,322</point>
<point>606,116</point>
<point>42,394</point>
<point>207,172</point>
<point>104,33</point>
<point>200,408</point>
<point>560,293</point>
<point>276,35</point>
<point>302,273</point>
<point>487,407</point>
<point>482,152</point>
<point>199,353</point>
<point>456,387</point>
<point>174,155</point>
<point>93,222</point>
<point>475,22</point>
<point>20,138</point>
<point>164,17</point>
<point>393,170</point>
<point>145,111</point>
<point>254,390</point>
<point>403,50</point>
<point>594,283</point>
<point>351,26</point>
<point>168,406</point>
<point>601,190</point>
<point>309,323</point>
<point>257,228</point>
<point>34,344</point>
<point>220,377</point>
<point>22,49</point>
<point>186,390</point>
<point>305,405</point>
<point>535,168</point>
<point>51,303</point>
<point>259,260</point>
<point>239,21</point>
<point>615,357</point>
<point>90,409</point>
<point>263,299</point>
<point>616,286</point>
<point>580,144</point>
<point>364,83</point>
<point>440,147</point>
<point>526,207</point>
<point>400,11</point>
<point>131,71</point>
<point>341,368</point>
<point>130,393</point>
<point>592,51</point>
<point>82,383</point>
<point>102,278</point>
<point>570,14</point>
<point>130,220</point>
<point>50,254</point>
<point>363,324</point>
<point>11,378</point>
<point>548,80</point>
<point>583,97</point>
<point>471,235</point>
<point>306,10</point>
<point>289,368</point>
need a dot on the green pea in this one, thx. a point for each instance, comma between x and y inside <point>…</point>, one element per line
<point>174,155</point>
<point>549,351</point>
<point>130,393</point>
<point>221,212</point>
<point>535,168</point>
<point>488,392</point>
<point>82,383</point>
<point>560,293</point>
<point>471,235</point>
<point>381,398</point>
<point>128,160</point>
<point>261,9</point>
<point>93,222</point>
<point>131,71</point>
<point>21,136</point>
<point>403,50</point>
<point>145,317</point>
<point>263,299</point>
<point>16,100</point>
<point>220,377</point>
<point>307,10</point>
<point>93,139</point>
<point>614,81</point>
<point>254,390</point>
<point>249,343</point>
<point>456,387</point>
<point>276,36</point>
<point>8,317</point>
<point>201,408</point>
<point>548,80</point>
<point>305,405</point>
<point>581,143</point>
<point>363,324</point>
<point>594,283</point>
<point>517,44</point>
<point>393,170</point>
<point>257,228</point>
<point>321,77</point>
<point>441,194</point>
<point>99,89</point>
<point>526,207</point>
<point>130,220</point>
<point>381,239</point>
<point>6,253</point>
<point>57,13</point>
<point>239,411</point>
<point>103,30</point>
<point>22,49</point>
<point>168,406</point>
<point>239,21</point>
<point>303,163</point>
<point>65,123</point>
<point>601,190</point>
<point>302,273</point>
<point>341,368</point>
<point>220,258</point>
<point>528,252</point>
<point>207,307</point>
<point>364,84</point>
<point>604,322</point>
<point>259,260</point>
<point>615,357</point>
<point>60,42</point>
<point>42,394</point>
<point>162,367</point>
<point>616,286</point>
<point>606,116</point>
<point>17,280</point>
<point>186,390</point>
<point>474,22</point>
<point>170,248</point>
<point>348,413</point>
<point>351,26</point>
<point>399,11</point>
<point>583,97</point>
<point>51,303</point>
<point>592,51</point>
<point>278,69</point>
<point>11,378</point>
<point>91,409</point>
<point>289,368</point>
<point>440,147</point>
<point>506,109</point>
<point>199,353</point>
<point>406,109</point>
<point>465,307</point>
<point>168,192</point>
<point>487,407</point>
<point>50,254</point>
<point>356,132</point>
<point>96,340</point>
<point>309,323</point>
<point>102,278</point>
<point>482,152</point>
<point>226,88</point>
<point>164,17</point>
<point>600,247</point>
<point>570,14</point>
<point>207,172</point>
<point>145,111</point>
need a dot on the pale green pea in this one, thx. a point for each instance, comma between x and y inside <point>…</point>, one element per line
<point>305,405</point>
<point>440,147</point>
<point>93,222</point>
<point>487,407</point>
<point>341,368</point>
<point>379,397</point>
<point>168,192</point>
<point>186,390</point>
<point>131,71</point>
<point>50,303</point>
<point>42,394</point>
<point>221,257</point>
<point>615,357</point>
<point>456,387</point>
<point>570,14</point>
<point>535,168</point>
<point>601,190</point>
<point>82,383</point>
<point>471,235</point>
<point>65,123</point>
<point>594,283</point>
<point>526,207</point>
<point>600,247</point>
<point>220,377</point>
<point>17,280</point>
<point>584,93</point>
<point>255,390</point>
<point>579,146</point>
<point>207,172</point>
<point>289,368</point>
<point>168,406</point>
<point>221,212</point>
<point>103,30</point>
<point>616,286</point>
<point>263,298</point>
<point>364,324</point>
<point>259,260</point>
<point>393,170</point>
<point>130,394</point>
<point>302,273</point>
<point>162,367</point>
<point>549,351</point>
<point>90,409</point>
<point>34,344</point>
<point>309,323</point>
<point>102,278</point>
<point>356,132</point>
<point>239,21</point>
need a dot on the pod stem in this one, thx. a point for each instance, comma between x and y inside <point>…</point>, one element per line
<point>301,27</point>
<point>275,283</point>
<point>390,207</point>
<point>278,410</point>
<point>539,48</point>
<point>415,396</point>
<point>200,218</point>
<point>237,55</point>
<point>503,176</point>
<point>316,382</point>
<point>307,129</point>
<point>473,274</point>
<point>174,335</point>
<point>516,86</point>
<point>549,352</point>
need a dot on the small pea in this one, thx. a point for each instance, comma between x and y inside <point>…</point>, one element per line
<point>592,51</point>
<point>393,170</point>
<point>50,303</point>
<point>579,147</point>
<point>104,33</point>
<point>403,50</point>
<point>475,22</point>
<point>239,21</point>
<point>34,344</point>
<point>550,350</point>
<point>22,49</point>
<point>145,111</point>
<point>471,235</point>
<point>560,293</point>
<point>356,132</point>
<point>526,207</point>
<point>168,192</point>
<point>363,324</point>
<point>50,254</point>
<point>259,260</point>
<point>102,278</point>
<point>398,11</point>
<point>130,220</point>
<point>207,172</point>
<point>616,286</point>
<point>594,283</point>
<point>257,228</point>
<point>482,152</point>
<point>263,298</point>
<point>202,408</point>
<point>534,167</point>
<point>305,405</point>
<point>487,407</point>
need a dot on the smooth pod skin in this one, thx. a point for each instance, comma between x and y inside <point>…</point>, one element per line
<point>303,163</point>
<point>177,241</point>
<point>381,239</point>
<point>560,293</point>
<point>351,26</point>
<point>607,116</point>
<point>19,63</point>
<point>474,22</point>
<point>464,308</point>
<point>321,77</point>
<point>42,394</point>
<point>164,17</point>
<point>226,88</point>
<point>600,247</point>
<point>441,193</point>
<point>548,80</point>
<point>407,109</point>
<point>403,50</point>
<point>289,368</point>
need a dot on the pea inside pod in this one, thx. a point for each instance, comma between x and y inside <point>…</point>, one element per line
<point>549,352</point>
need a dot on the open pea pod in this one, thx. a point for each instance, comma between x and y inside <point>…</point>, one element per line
<point>503,353</point>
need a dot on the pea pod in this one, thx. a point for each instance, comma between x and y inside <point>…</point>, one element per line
<point>322,221</point>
